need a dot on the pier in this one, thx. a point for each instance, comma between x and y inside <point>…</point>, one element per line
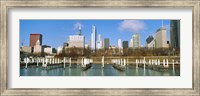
<point>121,64</point>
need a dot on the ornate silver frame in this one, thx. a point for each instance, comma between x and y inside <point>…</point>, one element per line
<point>4,57</point>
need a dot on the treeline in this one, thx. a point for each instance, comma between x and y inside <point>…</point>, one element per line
<point>87,52</point>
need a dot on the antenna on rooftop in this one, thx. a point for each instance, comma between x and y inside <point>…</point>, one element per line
<point>162,23</point>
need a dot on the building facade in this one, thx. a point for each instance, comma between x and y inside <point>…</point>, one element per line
<point>34,38</point>
<point>93,38</point>
<point>99,42</point>
<point>135,41</point>
<point>125,44</point>
<point>106,43</point>
<point>37,48</point>
<point>59,49</point>
<point>76,41</point>
<point>161,38</point>
<point>175,33</point>
<point>119,43</point>
<point>26,49</point>
<point>48,50</point>
<point>150,42</point>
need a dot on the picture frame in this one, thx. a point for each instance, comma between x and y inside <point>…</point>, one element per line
<point>4,48</point>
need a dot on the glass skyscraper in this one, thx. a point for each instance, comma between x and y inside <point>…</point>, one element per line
<point>93,38</point>
<point>175,33</point>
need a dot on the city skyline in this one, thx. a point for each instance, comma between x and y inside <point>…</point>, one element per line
<point>56,32</point>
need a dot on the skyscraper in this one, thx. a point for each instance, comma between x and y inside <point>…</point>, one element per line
<point>150,42</point>
<point>93,38</point>
<point>119,43</point>
<point>161,41</point>
<point>175,33</point>
<point>38,47</point>
<point>77,41</point>
<point>125,44</point>
<point>99,42</point>
<point>34,38</point>
<point>135,41</point>
<point>106,43</point>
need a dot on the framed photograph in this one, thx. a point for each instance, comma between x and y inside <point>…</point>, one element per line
<point>63,47</point>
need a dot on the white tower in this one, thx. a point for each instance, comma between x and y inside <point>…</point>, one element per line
<point>119,43</point>
<point>93,38</point>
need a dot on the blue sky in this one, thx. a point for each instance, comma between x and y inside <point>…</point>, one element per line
<point>56,32</point>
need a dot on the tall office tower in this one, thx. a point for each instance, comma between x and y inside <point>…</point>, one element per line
<point>89,44</point>
<point>38,47</point>
<point>136,41</point>
<point>106,43</point>
<point>77,41</point>
<point>175,33</point>
<point>119,43</point>
<point>93,38</point>
<point>131,43</point>
<point>34,38</point>
<point>161,41</point>
<point>125,44</point>
<point>99,42</point>
<point>150,42</point>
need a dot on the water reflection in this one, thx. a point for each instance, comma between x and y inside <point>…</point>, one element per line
<point>95,70</point>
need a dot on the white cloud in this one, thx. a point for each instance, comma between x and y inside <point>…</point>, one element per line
<point>132,26</point>
<point>78,26</point>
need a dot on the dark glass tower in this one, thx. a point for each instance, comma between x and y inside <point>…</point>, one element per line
<point>175,33</point>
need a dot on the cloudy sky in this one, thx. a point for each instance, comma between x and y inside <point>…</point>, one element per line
<point>56,32</point>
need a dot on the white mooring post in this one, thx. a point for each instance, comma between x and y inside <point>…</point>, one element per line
<point>121,62</point>
<point>173,64</point>
<point>144,62</point>
<point>64,62</point>
<point>149,61</point>
<point>42,61</point>
<point>102,60</point>
<point>37,60</point>
<point>164,62</point>
<point>167,63</point>
<point>70,62</point>
<point>136,63</point>
<point>26,61</point>
<point>158,61</point>
<point>124,62</point>
<point>53,62</point>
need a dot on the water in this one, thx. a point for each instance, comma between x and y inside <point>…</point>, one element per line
<point>95,70</point>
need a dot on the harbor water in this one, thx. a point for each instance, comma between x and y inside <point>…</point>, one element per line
<point>95,70</point>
